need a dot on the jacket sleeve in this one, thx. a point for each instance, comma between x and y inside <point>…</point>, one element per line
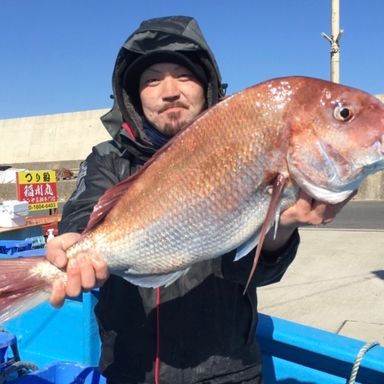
<point>273,265</point>
<point>96,175</point>
<point>270,269</point>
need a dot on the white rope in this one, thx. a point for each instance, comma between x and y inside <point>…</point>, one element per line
<point>19,367</point>
<point>358,360</point>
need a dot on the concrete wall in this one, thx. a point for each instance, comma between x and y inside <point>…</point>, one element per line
<point>372,188</point>
<point>58,137</point>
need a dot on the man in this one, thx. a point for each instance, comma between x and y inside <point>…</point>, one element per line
<point>201,328</point>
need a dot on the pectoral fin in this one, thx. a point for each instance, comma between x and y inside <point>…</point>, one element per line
<point>273,208</point>
<point>153,281</point>
<point>247,247</point>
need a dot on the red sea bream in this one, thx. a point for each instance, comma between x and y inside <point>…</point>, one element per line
<point>208,190</point>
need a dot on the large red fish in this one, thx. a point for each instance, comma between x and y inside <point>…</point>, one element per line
<point>213,186</point>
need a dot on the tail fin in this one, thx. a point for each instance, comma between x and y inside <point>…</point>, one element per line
<point>23,285</point>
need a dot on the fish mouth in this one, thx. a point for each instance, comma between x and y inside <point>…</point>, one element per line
<point>327,175</point>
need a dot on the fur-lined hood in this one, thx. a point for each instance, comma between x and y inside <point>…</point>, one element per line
<point>173,33</point>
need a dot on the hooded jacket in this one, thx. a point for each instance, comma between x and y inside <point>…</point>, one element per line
<point>201,329</point>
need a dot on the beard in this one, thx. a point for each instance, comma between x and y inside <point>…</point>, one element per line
<point>174,125</point>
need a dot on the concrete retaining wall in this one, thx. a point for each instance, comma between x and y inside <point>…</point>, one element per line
<point>58,137</point>
<point>372,188</point>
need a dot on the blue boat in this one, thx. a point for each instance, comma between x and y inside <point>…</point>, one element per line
<point>64,345</point>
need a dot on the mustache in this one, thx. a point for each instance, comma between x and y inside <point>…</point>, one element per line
<point>176,104</point>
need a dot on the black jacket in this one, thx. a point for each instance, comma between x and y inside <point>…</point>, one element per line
<point>202,327</point>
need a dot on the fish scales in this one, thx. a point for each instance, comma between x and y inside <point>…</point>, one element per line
<point>201,191</point>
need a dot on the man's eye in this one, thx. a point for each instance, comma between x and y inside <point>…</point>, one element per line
<point>151,82</point>
<point>185,77</point>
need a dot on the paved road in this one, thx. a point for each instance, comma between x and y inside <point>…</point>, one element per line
<point>336,282</point>
<point>362,215</point>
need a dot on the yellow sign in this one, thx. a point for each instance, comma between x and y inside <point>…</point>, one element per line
<point>36,177</point>
<point>39,188</point>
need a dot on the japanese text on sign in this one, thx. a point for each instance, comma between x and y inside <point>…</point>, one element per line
<point>39,188</point>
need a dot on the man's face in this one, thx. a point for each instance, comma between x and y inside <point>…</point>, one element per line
<point>170,97</point>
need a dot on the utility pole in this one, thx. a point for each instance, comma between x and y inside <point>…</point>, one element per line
<point>334,40</point>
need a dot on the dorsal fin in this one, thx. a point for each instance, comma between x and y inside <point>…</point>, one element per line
<point>277,191</point>
<point>106,202</point>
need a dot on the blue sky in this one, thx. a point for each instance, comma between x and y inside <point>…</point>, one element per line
<point>58,55</point>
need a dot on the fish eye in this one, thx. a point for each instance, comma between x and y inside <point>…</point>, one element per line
<point>343,113</point>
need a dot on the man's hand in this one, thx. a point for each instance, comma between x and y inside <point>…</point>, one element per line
<point>86,271</point>
<point>306,211</point>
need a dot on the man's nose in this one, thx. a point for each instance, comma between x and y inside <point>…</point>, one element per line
<point>170,88</point>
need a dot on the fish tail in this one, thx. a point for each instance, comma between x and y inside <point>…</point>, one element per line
<point>23,285</point>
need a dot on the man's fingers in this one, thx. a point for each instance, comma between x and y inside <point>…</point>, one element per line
<point>87,273</point>
<point>57,246</point>
<point>55,252</point>
<point>74,278</point>
<point>328,212</point>
<point>307,211</point>
<point>304,203</point>
<point>319,212</point>
<point>298,213</point>
<point>58,294</point>
<point>100,269</point>
<point>83,273</point>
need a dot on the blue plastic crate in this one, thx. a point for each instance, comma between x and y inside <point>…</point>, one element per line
<point>46,335</point>
<point>7,340</point>
<point>31,252</point>
<point>63,373</point>
<point>9,247</point>
<point>28,253</point>
<point>8,355</point>
<point>37,241</point>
